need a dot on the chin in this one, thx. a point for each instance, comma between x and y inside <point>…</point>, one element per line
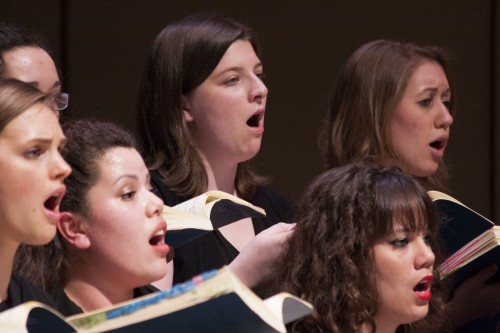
<point>42,238</point>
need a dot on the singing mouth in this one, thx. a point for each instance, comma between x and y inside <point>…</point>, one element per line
<point>52,203</point>
<point>158,238</point>
<point>439,143</point>
<point>254,120</point>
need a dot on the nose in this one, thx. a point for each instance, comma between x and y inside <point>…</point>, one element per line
<point>424,257</point>
<point>59,169</point>
<point>444,118</point>
<point>258,91</point>
<point>154,205</point>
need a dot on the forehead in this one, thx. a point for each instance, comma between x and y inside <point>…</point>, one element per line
<point>428,73</point>
<point>240,53</point>
<point>33,65</point>
<point>117,161</point>
<point>39,121</point>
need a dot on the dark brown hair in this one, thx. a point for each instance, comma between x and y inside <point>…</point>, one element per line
<point>181,58</point>
<point>329,261</point>
<point>87,142</point>
<point>13,36</point>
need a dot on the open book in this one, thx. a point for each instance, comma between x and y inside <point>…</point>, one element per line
<point>205,213</point>
<point>470,240</point>
<point>215,301</point>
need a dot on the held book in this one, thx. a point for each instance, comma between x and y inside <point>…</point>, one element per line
<point>215,301</point>
<point>470,240</point>
<point>204,213</point>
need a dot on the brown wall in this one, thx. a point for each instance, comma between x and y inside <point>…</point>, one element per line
<point>101,46</point>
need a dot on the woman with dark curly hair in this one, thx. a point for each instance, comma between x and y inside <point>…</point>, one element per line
<point>399,100</point>
<point>363,254</point>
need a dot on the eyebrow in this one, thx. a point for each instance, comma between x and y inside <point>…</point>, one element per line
<point>47,141</point>
<point>434,90</point>
<point>126,176</point>
<point>56,84</point>
<point>36,84</point>
<point>237,69</point>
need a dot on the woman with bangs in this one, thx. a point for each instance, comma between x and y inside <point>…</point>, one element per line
<point>399,99</point>
<point>363,253</point>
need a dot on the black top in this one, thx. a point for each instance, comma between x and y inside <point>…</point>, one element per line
<point>68,308</point>
<point>21,290</point>
<point>213,250</point>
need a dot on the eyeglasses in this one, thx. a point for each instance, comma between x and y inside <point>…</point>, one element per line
<point>60,101</point>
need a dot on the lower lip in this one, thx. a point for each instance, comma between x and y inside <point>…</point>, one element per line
<point>258,129</point>
<point>161,248</point>
<point>424,295</point>
<point>54,217</point>
<point>438,152</point>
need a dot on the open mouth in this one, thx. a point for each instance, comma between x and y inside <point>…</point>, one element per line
<point>52,203</point>
<point>158,238</point>
<point>438,144</point>
<point>254,120</point>
<point>422,289</point>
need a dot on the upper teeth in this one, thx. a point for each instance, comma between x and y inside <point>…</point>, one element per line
<point>160,233</point>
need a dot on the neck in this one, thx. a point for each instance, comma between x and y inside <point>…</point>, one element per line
<point>221,175</point>
<point>92,292</point>
<point>7,253</point>
<point>385,327</point>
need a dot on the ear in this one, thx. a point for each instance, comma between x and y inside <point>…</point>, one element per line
<point>73,228</point>
<point>186,109</point>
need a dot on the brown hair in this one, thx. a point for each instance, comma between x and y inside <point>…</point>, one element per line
<point>88,141</point>
<point>328,260</point>
<point>182,56</point>
<point>17,97</point>
<point>367,90</point>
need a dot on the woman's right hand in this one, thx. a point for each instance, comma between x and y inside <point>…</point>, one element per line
<point>255,262</point>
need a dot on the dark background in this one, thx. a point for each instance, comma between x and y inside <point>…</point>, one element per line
<point>100,46</point>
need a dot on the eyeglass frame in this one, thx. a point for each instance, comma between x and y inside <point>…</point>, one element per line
<point>55,102</point>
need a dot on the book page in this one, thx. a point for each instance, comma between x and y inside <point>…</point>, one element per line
<point>287,307</point>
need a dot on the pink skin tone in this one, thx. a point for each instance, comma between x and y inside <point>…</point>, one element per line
<point>403,264</point>
<point>225,113</point>
<point>32,65</point>
<point>122,238</point>
<point>32,185</point>
<point>225,116</point>
<point>421,121</point>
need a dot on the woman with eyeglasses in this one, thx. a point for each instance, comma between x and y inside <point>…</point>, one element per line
<point>32,186</point>
<point>24,56</point>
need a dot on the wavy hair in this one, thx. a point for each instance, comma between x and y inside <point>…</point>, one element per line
<point>328,260</point>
